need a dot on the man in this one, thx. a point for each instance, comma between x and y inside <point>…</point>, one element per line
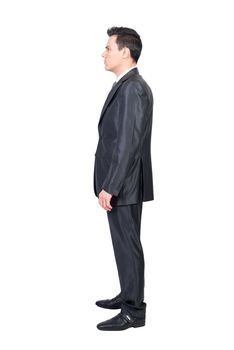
<point>123,172</point>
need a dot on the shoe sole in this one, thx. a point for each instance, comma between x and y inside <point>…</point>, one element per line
<point>110,308</point>
<point>136,325</point>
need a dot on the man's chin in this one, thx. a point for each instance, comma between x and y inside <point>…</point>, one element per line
<point>109,69</point>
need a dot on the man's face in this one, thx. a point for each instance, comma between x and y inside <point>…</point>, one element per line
<point>113,57</point>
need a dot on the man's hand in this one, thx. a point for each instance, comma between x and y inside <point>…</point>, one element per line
<point>104,199</point>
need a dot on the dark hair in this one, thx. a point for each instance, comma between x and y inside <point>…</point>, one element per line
<point>129,38</point>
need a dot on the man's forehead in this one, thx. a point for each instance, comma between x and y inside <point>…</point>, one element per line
<point>112,40</point>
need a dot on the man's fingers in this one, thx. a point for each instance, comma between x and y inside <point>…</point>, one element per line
<point>105,204</point>
<point>109,207</point>
<point>104,199</point>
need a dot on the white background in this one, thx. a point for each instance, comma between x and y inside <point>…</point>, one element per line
<point>56,257</point>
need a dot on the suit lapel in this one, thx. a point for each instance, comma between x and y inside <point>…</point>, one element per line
<point>109,98</point>
<point>114,90</point>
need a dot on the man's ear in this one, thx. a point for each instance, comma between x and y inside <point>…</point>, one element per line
<point>126,52</point>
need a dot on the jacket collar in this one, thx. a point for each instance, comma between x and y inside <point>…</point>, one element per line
<point>134,71</point>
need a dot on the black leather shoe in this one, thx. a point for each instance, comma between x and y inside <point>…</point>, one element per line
<point>120,322</point>
<point>112,304</point>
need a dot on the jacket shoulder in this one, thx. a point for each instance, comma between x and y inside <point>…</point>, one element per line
<point>136,84</point>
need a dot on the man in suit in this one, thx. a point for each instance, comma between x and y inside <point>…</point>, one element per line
<point>123,172</point>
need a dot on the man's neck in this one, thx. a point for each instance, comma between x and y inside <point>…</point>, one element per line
<point>125,71</point>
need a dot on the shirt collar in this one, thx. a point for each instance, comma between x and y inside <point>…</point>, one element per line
<point>125,72</point>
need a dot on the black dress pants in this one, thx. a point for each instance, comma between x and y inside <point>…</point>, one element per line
<point>125,226</point>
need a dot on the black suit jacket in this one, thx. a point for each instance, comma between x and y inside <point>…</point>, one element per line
<point>123,156</point>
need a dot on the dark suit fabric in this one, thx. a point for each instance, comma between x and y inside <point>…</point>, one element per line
<point>123,169</point>
<point>123,158</point>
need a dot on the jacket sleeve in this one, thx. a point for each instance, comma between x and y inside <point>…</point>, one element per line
<point>131,109</point>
